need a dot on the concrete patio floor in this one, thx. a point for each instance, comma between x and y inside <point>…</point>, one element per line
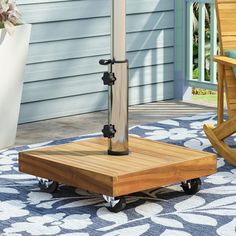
<point>93,122</point>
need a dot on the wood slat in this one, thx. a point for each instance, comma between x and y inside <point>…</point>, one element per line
<point>229,74</point>
<point>231,93</point>
<point>85,164</point>
<point>220,94</point>
<point>232,105</point>
<point>230,82</point>
<point>233,112</point>
<point>152,152</point>
<point>229,42</point>
<point>227,15</point>
<point>226,61</point>
<point>225,1</point>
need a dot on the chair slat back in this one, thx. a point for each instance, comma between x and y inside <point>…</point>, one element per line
<point>226,17</point>
<point>226,14</point>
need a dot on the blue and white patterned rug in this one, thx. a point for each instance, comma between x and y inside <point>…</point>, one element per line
<point>25,210</point>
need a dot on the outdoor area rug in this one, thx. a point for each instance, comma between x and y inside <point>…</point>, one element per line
<point>167,211</point>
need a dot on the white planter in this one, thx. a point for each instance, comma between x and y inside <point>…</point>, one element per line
<point>13,54</point>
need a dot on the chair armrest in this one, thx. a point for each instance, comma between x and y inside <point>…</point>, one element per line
<point>227,61</point>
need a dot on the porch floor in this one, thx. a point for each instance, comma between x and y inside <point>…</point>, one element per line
<point>93,122</point>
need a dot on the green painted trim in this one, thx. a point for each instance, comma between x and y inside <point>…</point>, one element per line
<point>203,85</point>
<point>201,43</point>
<point>213,65</point>
<point>189,35</point>
<point>179,36</point>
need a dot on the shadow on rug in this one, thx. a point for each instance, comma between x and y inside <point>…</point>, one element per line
<point>167,211</point>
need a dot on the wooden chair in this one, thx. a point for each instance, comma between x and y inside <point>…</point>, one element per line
<point>226,16</point>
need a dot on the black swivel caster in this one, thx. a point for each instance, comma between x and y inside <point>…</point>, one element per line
<point>115,204</point>
<point>192,186</point>
<point>47,186</point>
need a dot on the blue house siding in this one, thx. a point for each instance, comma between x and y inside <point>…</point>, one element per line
<point>63,76</point>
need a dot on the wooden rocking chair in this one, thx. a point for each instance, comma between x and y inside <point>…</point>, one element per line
<point>226,16</point>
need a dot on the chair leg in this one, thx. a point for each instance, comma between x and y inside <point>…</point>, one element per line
<point>220,94</point>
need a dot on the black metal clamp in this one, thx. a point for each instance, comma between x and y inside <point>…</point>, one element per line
<point>109,78</point>
<point>105,62</point>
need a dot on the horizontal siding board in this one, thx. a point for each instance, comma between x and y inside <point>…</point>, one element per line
<point>150,21</point>
<point>26,2</point>
<point>44,32</point>
<point>89,65</point>
<point>162,6</point>
<point>77,48</point>
<point>151,93</point>
<point>94,102</point>
<point>72,86</point>
<point>134,6</point>
<point>151,75</point>
<point>70,10</point>
<point>58,11</point>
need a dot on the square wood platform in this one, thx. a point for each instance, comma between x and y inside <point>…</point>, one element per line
<point>85,164</point>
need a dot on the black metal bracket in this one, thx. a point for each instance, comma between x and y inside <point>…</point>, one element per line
<point>105,62</point>
<point>109,131</point>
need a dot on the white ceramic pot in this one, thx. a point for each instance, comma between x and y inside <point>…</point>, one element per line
<point>13,55</point>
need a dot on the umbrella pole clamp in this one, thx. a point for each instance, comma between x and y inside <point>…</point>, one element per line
<point>117,128</point>
<point>109,77</point>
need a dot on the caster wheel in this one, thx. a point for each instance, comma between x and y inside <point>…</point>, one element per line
<point>48,186</point>
<point>115,204</point>
<point>192,186</point>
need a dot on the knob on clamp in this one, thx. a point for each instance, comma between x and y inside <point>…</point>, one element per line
<point>109,131</point>
<point>108,78</point>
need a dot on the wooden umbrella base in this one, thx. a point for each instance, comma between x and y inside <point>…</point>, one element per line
<point>85,164</point>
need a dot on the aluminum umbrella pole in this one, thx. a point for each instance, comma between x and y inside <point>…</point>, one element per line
<point>117,81</point>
